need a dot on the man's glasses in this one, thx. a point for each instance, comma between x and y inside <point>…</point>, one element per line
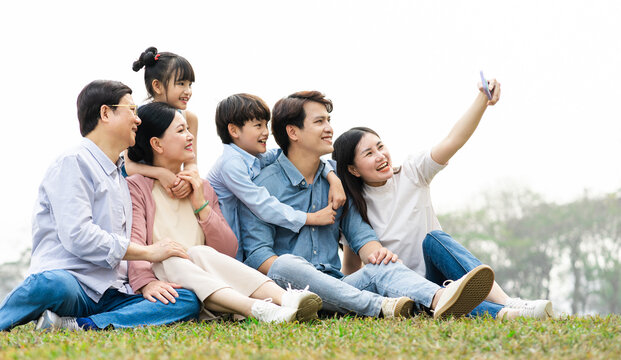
<point>132,107</point>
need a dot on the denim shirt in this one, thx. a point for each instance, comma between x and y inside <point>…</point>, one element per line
<point>231,177</point>
<point>82,220</point>
<point>317,244</point>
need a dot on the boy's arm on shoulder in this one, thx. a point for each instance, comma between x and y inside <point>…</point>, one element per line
<point>258,199</point>
<point>269,157</point>
<point>71,196</point>
<point>257,238</point>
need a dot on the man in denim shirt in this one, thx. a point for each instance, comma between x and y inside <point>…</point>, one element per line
<point>301,127</point>
<point>81,230</point>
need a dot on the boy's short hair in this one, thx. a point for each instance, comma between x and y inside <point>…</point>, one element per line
<point>237,110</point>
<point>93,96</point>
<point>290,111</point>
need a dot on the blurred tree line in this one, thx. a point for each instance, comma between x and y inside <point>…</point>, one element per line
<point>532,243</point>
<point>13,273</point>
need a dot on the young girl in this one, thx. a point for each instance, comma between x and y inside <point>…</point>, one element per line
<point>222,283</point>
<point>396,202</point>
<point>168,78</point>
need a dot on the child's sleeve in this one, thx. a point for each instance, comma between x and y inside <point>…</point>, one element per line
<point>269,157</point>
<point>259,200</point>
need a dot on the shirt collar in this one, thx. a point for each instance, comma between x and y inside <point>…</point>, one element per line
<point>249,159</point>
<point>293,174</point>
<point>104,161</point>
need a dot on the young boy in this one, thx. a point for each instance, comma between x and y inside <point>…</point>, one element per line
<point>241,122</point>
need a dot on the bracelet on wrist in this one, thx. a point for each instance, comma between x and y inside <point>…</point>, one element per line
<point>202,207</point>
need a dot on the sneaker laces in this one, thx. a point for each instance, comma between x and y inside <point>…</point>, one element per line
<point>69,323</point>
<point>289,289</point>
<point>517,303</point>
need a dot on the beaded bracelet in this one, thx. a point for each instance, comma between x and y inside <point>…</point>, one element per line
<point>202,207</point>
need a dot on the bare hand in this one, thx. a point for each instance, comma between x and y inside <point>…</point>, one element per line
<point>164,250</point>
<point>160,290</point>
<point>325,216</point>
<point>181,189</point>
<point>337,194</point>
<point>494,89</point>
<point>382,254</point>
<point>193,178</point>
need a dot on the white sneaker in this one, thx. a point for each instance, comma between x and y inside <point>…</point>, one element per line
<point>538,309</point>
<point>305,303</point>
<point>50,321</point>
<point>397,307</point>
<point>266,311</point>
<point>461,296</point>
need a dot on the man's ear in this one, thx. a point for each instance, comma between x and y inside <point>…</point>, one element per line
<point>104,112</point>
<point>156,145</point>
<point>157,86</point>
<point>352,170</point>
<point>292,132</point>
<point>234,131</point>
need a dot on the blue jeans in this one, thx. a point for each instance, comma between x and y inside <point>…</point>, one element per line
<point>361,292</point>
<point>60,292</point>
<point>446,259</point>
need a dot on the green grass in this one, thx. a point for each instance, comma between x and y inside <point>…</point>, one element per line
<point>341,338</point>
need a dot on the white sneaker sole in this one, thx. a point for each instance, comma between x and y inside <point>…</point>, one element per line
<point>474,288</point>
<point>308,307</point>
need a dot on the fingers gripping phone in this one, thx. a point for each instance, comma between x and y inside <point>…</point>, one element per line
<point>485,86</point>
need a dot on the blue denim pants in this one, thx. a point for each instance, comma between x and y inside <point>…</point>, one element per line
<point>446,259</point>
<point>60,292</point>
<point>361,292</point>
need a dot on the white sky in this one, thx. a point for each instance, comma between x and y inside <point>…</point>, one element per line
<point>407,69</point>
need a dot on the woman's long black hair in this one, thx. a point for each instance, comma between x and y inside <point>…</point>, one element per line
<point>344,153</point>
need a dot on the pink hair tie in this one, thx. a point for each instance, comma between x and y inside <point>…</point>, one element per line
<point>157,57</point>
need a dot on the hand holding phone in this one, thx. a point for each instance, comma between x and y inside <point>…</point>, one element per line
<point>485,86</point>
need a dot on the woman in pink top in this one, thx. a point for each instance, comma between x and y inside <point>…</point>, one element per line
<point>223,284</point>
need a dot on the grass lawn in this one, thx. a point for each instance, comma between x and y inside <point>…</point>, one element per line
<point>342,338</point>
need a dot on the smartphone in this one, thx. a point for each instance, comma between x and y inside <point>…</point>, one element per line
<point>485,86</point>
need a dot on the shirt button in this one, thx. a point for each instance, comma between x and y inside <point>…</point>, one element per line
<point>313,229</point>
<point>303,182</point>
<point>315,252</point>
<point>313,206</point>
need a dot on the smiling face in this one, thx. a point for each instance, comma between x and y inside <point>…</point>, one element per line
<point>177,93</point>
<point>316,136</point>
<point>124,122</point>
<point>175,145</point>
<point>252,137</point>
<point>372,161</point>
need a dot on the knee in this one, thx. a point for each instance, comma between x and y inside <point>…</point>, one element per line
<point>289,260</point>
<point>51,286</point>
<point>436,236</point>
<point>187,304</point>
<point>285,263</point>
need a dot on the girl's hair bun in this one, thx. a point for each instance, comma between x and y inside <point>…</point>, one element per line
<point>147,58</point>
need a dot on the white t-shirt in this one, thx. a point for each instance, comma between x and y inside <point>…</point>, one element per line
<point>401,212</point>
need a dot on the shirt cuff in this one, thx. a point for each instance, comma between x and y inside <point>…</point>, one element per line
<point>117,251</point>
<point>258,257</point>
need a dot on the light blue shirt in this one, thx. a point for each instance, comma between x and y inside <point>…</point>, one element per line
<point>231,177</point>
<point>82,220</point>
<point>317,244</point>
